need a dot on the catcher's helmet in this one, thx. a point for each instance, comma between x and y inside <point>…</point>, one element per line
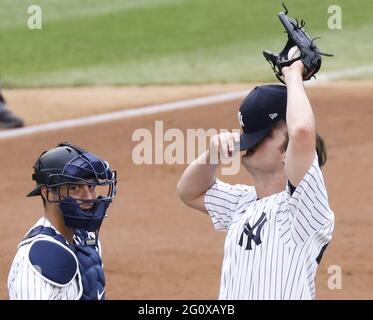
<point>67,165</point>
<point>52,162</point>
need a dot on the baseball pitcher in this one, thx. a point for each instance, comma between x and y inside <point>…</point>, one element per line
<point>277,228</point>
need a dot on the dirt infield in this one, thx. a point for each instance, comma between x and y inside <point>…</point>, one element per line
<point>154,247</point>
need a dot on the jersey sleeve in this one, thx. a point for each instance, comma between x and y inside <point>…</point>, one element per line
<point>307,210</point>
<point>222,201</point>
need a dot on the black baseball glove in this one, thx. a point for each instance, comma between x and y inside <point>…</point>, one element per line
<point>297,39</point>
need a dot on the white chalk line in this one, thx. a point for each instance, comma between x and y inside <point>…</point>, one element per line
<point>158,108</point>
<point>123,114</point>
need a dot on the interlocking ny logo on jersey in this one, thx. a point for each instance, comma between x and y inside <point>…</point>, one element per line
<point>249,231</point>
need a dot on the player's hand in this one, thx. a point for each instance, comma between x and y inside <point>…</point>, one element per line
<point>296,67</point>
<point>295,70</point>
<point>223,145</point>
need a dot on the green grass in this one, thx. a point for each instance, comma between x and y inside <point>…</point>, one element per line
<point>167,41</point>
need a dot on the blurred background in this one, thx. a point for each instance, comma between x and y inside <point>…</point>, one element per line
<point>94,42</point>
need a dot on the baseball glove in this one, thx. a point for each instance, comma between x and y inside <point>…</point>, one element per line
<point>297,39</point>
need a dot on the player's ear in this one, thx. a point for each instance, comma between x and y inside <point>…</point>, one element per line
<point>43,191</point>
<point>44,194</point>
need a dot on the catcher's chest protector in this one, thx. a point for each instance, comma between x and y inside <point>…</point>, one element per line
<point>92,273</point>
<point>89,261</point>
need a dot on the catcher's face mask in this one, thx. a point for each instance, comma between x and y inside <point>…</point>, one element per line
<point>83,185</point>
<point>262,108</point>
<point>84,190</point>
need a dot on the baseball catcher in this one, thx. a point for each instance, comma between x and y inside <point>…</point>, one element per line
<point>299,46</point>
<point>60,256</point>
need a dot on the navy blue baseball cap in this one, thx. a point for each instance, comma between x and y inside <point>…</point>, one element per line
<point>262,108</point>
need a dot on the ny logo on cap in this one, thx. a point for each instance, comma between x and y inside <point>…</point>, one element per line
<point>249,231</point>
<point>240,119</point>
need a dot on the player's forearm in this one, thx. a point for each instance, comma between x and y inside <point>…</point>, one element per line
<point>198,177</point>
<point>299,116</point>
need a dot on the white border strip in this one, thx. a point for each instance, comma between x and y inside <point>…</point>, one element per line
<point>185,104</point>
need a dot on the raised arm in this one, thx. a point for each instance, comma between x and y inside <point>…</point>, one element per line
<point>301,125</point>
<point>200,175</point>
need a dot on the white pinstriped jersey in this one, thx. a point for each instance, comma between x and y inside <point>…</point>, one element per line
<point>273,243</point>
<point>26,283</point>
